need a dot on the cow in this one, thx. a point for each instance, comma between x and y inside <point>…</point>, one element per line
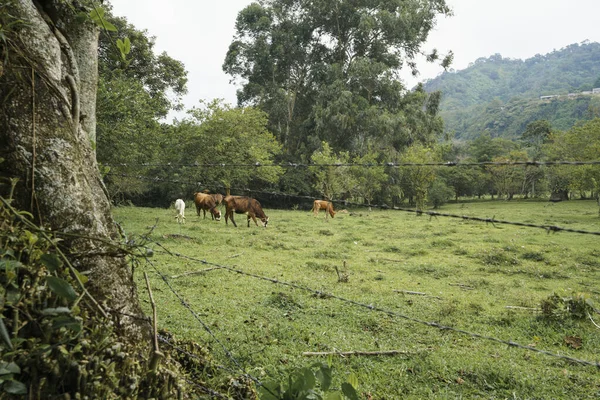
<point>180,207</point>
<point>205,202</point>
<point>244,205</point>
<point>323,205</point>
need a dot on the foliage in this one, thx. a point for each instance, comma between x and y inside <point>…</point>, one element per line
<point>368,176</point>
<point>330,180</point>
<point>439,193</point>
<point>162,77</point>
<point>581,143</point>
<point>416,180</point>
<point>502,95</point>
<point>301,384</point>
<point>328,72</point>
<point>219,134</point>
<point>577,306</point>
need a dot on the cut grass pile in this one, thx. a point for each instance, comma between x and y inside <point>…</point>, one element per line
<point>466,272</point>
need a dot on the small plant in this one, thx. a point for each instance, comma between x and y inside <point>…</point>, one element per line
<point>578,306</point>
<point>343,277</point>
<point>307,384</point>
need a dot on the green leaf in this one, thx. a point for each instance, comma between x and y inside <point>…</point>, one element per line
<point>353,380</point>
<point>127,45</point>
<point>83,278</point>
<point>68,322</point>
<point>61,287</point>
<point>108,26</point>
<point>349,391</point>
<point>15,387</point>
<point>9,368</point>
<point>4,333</point>
<point>270,391</point>
<point>51,262</point>
<point>334,396</point>
<point>324,377</point>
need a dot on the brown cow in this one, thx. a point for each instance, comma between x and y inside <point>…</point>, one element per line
<point>244,205</point>
<point>206,202</point>
<point>323,205</point>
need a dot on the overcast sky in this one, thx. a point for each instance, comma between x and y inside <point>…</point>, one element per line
<point>198,33</point>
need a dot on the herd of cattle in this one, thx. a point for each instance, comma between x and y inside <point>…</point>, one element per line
<point>238,205</point>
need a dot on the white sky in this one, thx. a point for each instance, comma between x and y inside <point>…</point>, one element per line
<point>198,33</point>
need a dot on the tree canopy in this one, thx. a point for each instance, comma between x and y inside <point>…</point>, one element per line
<point>326,70</point>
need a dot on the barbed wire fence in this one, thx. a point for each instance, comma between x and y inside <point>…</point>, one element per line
<point>492,221</point>
<point>371,307</point>
<point>363,165</point>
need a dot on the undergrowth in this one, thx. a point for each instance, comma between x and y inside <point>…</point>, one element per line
<point>54,341</point>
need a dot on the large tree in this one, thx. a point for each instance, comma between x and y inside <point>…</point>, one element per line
<point>47,123</point>
<point>329,71</point>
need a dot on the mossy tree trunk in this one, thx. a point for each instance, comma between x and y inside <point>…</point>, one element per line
<point>47,133</point>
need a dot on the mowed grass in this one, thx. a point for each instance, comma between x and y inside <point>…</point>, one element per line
<point>470,272</point>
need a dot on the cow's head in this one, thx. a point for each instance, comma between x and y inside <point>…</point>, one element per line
<point>217,214</point>
<point>264,221</point>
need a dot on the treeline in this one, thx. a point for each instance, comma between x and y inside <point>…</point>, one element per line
<point>328,111</point>
<point>501,95</point>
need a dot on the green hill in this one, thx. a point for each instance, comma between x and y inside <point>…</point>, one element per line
<point>502,95</point>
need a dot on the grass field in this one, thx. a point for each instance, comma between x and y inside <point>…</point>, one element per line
<point>469,272</point>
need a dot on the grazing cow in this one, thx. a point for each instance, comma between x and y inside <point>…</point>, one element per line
<point>205,202</point>
<point>323,205</point>
<point>180,207</point>
<point>244,205</point>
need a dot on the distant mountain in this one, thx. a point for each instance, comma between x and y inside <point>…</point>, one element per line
<point>503,95</point>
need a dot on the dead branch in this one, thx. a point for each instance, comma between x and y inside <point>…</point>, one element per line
<point>354,353</point>
<point>462,286</point>
<point>522,308</point>
<point>416,293</point>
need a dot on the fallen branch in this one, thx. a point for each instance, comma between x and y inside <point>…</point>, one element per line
<point>462,286</point>
<point>416,293</point>
<point>354,353</point>
<point>522,308</point>
<point>194,272</point>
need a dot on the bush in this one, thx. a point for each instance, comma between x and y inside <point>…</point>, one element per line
<point>440,193</point>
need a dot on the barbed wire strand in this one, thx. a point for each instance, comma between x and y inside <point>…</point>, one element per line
<point>197,317</point>
<point>493,221</point>
<point>362,165</point>
<point>382,310</point>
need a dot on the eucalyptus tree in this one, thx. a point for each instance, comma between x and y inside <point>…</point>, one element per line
<point>329,70</point>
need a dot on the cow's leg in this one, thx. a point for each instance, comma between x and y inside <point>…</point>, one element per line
<point>230,212</point>
<point>198,210</point>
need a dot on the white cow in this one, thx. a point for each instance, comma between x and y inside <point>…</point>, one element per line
<point>180,207</point>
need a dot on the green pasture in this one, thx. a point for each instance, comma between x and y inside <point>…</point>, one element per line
<point>467,272</point>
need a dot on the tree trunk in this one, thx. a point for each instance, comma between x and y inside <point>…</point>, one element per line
<point>47,129</point>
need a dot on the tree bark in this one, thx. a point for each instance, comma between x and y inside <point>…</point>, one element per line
<point>47,130</point>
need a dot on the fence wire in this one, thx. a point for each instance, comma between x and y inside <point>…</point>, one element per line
<point>362,165</point>
<point>493,221</point>
<point>381,310</point>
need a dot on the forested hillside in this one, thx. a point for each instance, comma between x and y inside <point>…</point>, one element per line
<point>502,95</point>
